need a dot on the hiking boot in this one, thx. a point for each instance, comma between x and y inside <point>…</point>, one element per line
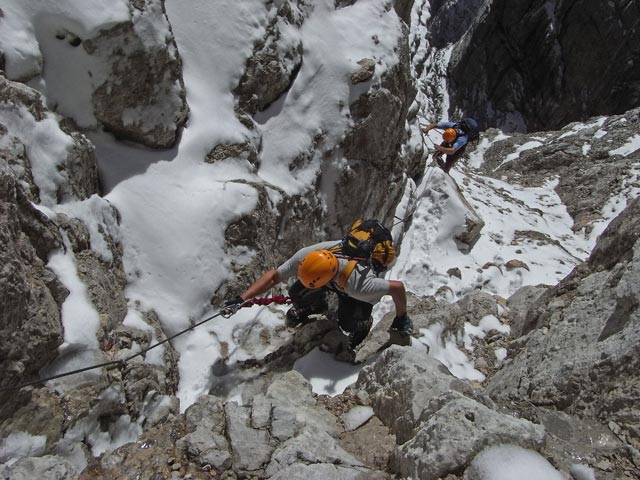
<point>347,356</point>
<point>300,316</point>
<point>402,324</point>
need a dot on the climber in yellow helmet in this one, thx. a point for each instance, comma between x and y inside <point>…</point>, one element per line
<point>321,268</point>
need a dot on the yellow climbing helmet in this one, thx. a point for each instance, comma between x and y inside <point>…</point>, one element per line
<point>317,268</point>
<point>449,135</point>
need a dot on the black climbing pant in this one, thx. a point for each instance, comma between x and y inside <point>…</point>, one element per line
<point>450,160</point>
<point>354,316</point>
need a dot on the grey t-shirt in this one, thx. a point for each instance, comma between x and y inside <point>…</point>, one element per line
<point>363,283</point>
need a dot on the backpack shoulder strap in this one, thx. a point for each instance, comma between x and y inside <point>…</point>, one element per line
<point>336,249</point>
<point>346,273</point>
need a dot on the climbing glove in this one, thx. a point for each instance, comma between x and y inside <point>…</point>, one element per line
<point>231,306</point>
<point>402,323</point>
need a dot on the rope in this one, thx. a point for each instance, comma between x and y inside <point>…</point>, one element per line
<point>279,299</point>
<point>428,168</point>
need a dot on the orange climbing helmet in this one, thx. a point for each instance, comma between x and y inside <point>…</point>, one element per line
<point>317,268</point>
<point>449,135</point>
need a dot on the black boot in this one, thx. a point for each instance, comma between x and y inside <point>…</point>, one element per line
<point>361,332</point>
<point>300,315</point>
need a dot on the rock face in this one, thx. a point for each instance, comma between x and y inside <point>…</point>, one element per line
<point>376,174</point>
<point>450,20</point>
<point>24,115</point>
<point>127,72</point>
<point>272,67</point>
<point>371,181</point>
<point>551,63</point>
<point>582,355</point>
<point>591,161</point>
<point>142,98</point>
<point>33,179</point>
<point>32,295</point>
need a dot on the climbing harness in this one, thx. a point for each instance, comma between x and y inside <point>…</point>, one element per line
<point>279,299</point>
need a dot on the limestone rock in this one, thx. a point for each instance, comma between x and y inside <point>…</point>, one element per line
<point>274,64</point>
<point>365,72</point>
<point>455,432</point>
<point>30,295</point>
<point>49,466</point>
<point>372,145</point>
<point>585,336</point>
<point>62,166</point>
<point>206,442</point>
<point>589,171</point>
<point>400,383</point>
<point>142,97</point>
<point>519,304</point>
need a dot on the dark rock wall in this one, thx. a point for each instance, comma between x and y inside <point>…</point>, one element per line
<point>552,62</point>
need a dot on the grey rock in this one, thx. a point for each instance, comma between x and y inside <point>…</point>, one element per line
<point>292,392</point>
<point>471,308</point>
<point>77,173</point>
<point>206,448</point>
<point>142,97</point>
<point>372,145</point>
<point>261,409</point>
<point>310,448</point>
<point>322,471</point>
<point>401,382</point>
<point>588,174</point>
<point>40,413</point>
<point>585,337</point>
<point>403,9</point>
<point>453,433</point>
<point>207,411</point>
<point>450,20</point>
<point>105,280</point>
<point>293,216</point>
<point>251,448</point>
<point>380,337</point>
<point>519,304</point>
<point>31,296</point>
<point>372,443</point>
<point>476,305</point>
<point>153,454</point>
<point>49,467</point>
<point>275,63</point>
<point>365,72</point>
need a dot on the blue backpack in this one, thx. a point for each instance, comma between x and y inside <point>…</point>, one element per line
<point>471,128</point>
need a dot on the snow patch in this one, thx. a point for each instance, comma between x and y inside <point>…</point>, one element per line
<point>632,145</point>
<point>21,444</point>
<point>356,417</point>
<point>506,462</point>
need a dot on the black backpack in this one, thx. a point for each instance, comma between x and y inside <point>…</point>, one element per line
<point>370,241</point>
<point>471,128</point>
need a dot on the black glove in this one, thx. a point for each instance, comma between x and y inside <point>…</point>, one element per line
<point>402,323</point>
<point>231,306</point>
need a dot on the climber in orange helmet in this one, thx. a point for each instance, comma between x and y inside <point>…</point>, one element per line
<point>455,138</point>
<point>319,269</point>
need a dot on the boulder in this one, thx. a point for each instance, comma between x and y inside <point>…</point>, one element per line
<point>142,97</point>
<point>455,429</point>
